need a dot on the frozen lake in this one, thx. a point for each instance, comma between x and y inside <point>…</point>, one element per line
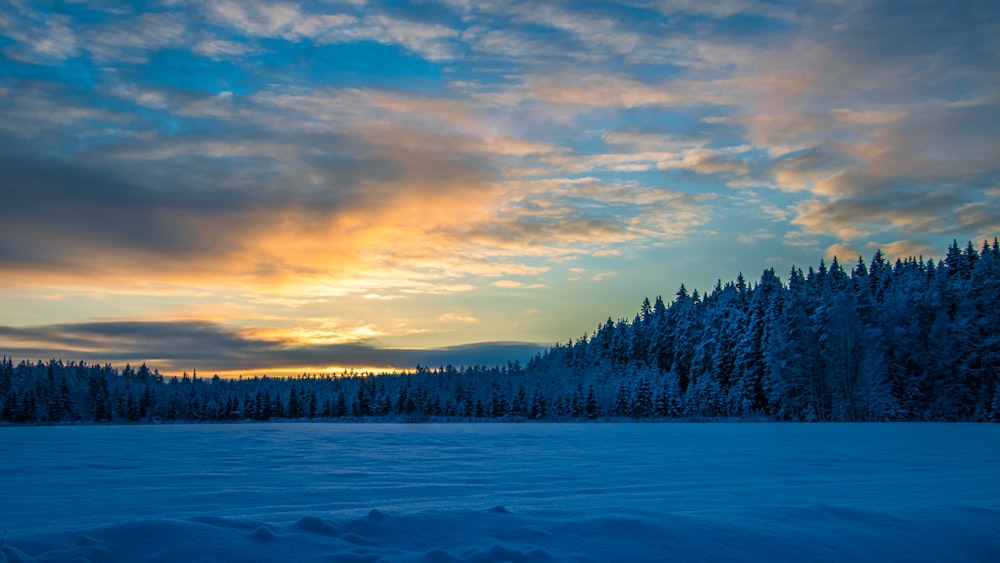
<point>501,492</point>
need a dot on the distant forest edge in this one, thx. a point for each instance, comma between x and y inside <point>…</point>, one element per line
<point>909,341</point>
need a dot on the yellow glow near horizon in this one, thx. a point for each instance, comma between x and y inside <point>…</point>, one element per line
<point>307,371</point>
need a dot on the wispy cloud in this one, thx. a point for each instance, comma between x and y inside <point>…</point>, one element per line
<point>602,90</point>
<point>289,21</point>
<point>514,284</point>
<point>457,318</point>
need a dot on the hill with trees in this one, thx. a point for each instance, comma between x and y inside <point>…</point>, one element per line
<point>912,340</point>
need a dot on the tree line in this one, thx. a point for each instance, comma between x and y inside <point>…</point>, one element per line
<point>912,340</point>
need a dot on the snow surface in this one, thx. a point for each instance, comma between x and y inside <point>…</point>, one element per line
<point>501,492</point>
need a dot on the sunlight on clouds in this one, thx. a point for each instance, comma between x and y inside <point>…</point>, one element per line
<point>902,249</point>
<point>436,218</point>
<point>376,296</point>
<point>279,301</point>
<point>514,284</point>
<point>981,218</point>
<point>820,217</point>
<point>325,331</point>
<point>865,118</point>
<point>456,318</point>
<point>843,252</point>
<point>601,90</point>
<point>796,180</point>
<point>518,147</point>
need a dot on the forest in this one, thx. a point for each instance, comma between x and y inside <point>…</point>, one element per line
<point>912,340</point>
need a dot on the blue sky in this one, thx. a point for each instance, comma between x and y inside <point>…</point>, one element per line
<point>259,186</point>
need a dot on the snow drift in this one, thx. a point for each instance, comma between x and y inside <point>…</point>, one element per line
<point>610,492</point>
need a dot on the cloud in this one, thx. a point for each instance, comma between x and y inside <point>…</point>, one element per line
<point>38,114</point>
<point>879,130</point>
<point>432,41</point>
<point>208,347</point>
<point>288,21</point>
<point>321,332</point>
<point>130,40</point>
<point>650,142</point>
<point>844,253</point>
<point>602,90</point>
<point>368,181</point>
<point>186,225</point>
<point>508,43</point>
<point>44,38</point>
<point>39,39</point>
<point>379,297</point>
<point>905,249</point>
<point>221,48</point>
<point>456,318</point>
<point>724,8</point>
<point>48,38</point>
<point>559,216</point>
<point>374,108</point>
<point>514,284</point>
<point>261,19</point>
<point>597,33</point>
<point>754,237</point>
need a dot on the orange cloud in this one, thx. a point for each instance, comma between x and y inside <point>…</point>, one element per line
<point>513,284</point>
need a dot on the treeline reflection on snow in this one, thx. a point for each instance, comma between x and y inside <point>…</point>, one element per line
<point>912,340</point>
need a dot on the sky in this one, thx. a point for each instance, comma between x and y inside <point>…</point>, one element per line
<point>248,187</point>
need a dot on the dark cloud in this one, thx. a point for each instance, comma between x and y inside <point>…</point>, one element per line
<point>65,213</point>
<point>879,205</point>
<point>546,229</point>
<point>201,199</point>
<point>184,345</point>
<point>889,47</point>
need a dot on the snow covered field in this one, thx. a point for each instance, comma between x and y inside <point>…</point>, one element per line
<point>501,492</point>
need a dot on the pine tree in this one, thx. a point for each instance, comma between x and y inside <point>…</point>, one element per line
<point>623,404</point>
<point>593,407</point>
<point>294,409</point>
<point>12,408</point>
<point>642,406</point>
<point>538,409</point>
<point>995,410</point>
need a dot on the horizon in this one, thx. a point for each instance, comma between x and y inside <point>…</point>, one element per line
<point>251,186</point>
<point>495,354</point>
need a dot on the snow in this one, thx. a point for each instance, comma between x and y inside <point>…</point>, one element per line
<point>501,492</point>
